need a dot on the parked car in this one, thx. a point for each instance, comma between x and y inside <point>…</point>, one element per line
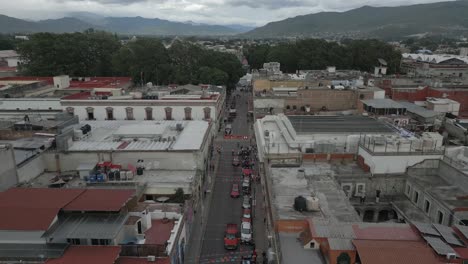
<point>246,185</point>
<point>235,191</point>
<point>247,213</point>
<point>231,240</point>
<point>235,161</point>
<point>246,233</point>
<point>228,129</point>
<point>246,202</point>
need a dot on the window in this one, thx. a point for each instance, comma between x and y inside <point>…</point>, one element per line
<point>408,190</point>
<point>288,107</point>
<point>416,197</point>
<point>427,206</point>
<point>207,112</point>
<point>129,111</point>
<point>149,113</point>
<point>90,112</point>
<point>74,241</point>
<point>188,113</point>
<point>70,110</point>
<point>168,111</point>
<point>109,113</point>
<point>294,107</point>
<point>440,217</point>
<point>360,189</point>
<point>104,242</point>
<point>94,241</point>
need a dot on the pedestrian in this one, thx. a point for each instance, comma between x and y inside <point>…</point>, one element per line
<point>264,221</point>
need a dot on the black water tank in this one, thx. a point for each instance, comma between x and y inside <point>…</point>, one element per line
<point>300,204</point>
<point>139,171</point>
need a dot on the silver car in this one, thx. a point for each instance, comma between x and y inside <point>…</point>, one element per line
<point>246,202</point>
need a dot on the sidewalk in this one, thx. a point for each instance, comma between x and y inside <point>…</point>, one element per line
<point>196,239</point>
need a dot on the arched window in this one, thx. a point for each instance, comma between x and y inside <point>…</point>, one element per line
<point>188,113</point>
<point>90,112</point>
<point>288,107</point>
<point>149,113</point>
<point>110,113</point>
<point>129,111</point>
<point>168,111</point>
<point>207,112</point>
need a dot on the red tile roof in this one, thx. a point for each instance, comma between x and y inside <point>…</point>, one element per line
<point>32,208</point>
<point>36,208</point>
<point>100,200</point>
<point>88,255</point>
<point>382,232</point>
<point>394,252</point>
<point>134,260</point>
<point>159,232</point>
<point>462,252</point>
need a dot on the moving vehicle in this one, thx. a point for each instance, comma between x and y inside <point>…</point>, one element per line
<point>235,161</point>
<point>232,111</point>
<point>235,191</point>
<point>246,202</point>
<point>246,185</point>
<point>246,233</point>
<point>231,241</point>
<point>228,129</point>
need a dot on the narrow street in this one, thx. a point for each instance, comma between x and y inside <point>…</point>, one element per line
<point>223,209</point>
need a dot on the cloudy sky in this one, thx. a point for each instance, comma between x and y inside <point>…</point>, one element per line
<point>246,12</point>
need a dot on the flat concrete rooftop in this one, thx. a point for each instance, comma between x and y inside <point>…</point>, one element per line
<point>338,124</point>
<point>319,180</point>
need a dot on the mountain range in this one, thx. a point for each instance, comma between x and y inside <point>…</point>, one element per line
<point>121,25</point>
<point>443,18</point>
<point>380,22</point>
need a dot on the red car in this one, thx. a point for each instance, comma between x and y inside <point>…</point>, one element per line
<point>235,191</point>
<point>231,240</point>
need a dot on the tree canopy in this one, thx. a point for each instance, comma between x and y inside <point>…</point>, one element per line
<point>317,54</point>
<point>95,53</point>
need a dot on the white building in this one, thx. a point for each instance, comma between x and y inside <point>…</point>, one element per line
<point>105,106</point>
<point>10,57</point>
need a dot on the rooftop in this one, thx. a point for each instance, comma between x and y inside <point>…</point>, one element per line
<point>20,205</point>
<point>152,135</point>
<point>382,103</point>
<point>88,254</point>
<point>418,110</point>
<point>293,251</point>
<point>159,232</point>
<point>319,180</point>
<point>338,124</point>
<point>100,200</point>
<point>88,226</point>
<point>394,252</point>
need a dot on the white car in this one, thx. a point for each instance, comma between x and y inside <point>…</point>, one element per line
<point>246,202</point>
<point>246,233</point>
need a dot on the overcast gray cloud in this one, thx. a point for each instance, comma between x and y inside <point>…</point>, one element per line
<point>247,12</point>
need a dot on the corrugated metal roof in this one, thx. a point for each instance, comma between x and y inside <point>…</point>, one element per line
<point>109,200</point>
<point>418,110</point>
<point>425,228</point>
<point>394,252</point>
<point>448,234</point>
<point>382,231</point>
<point>439,246</point>
<point>88,254</point>
<point>340,124</point>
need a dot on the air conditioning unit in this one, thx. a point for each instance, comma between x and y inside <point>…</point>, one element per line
<point>451,256</point>
<point>151,258</point>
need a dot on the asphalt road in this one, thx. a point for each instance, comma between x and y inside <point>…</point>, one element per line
<point>224,209</point>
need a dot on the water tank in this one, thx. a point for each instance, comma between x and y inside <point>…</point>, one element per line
<point>300,204</point>
<point>312,204</point>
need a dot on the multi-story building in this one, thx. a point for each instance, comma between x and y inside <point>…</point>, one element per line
<point>428,65</point>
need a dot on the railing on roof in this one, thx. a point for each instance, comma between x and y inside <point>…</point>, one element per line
<point>143,250</point>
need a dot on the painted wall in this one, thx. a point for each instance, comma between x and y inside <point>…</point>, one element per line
<point>392,164</point>
<point>139,112</point>
<point>32,168</point>
<point>8,175</point>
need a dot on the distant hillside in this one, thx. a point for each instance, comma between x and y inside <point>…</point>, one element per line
<point>380,22</point>
<point>121,25</point>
